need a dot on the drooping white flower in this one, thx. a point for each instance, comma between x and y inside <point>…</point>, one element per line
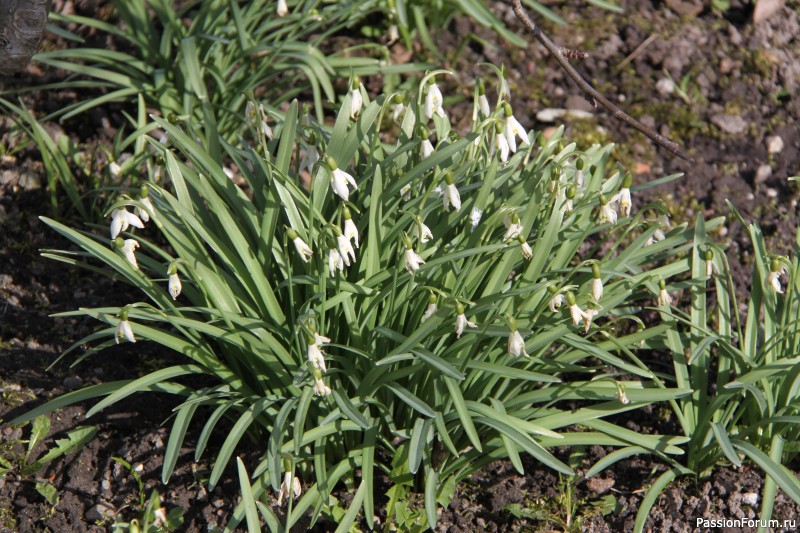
<point>577,314</point>
<point>512,130</point>
<point>144,214</point>
<point>597,283</point>
<point>124,330</point>
<point>433,101</point>
<point>290,486</point>
<point>310,159</point>
<point>356,101</point>
<point>174,285</point>
<point>622,397</point>
<point>527,252</point>
<point>475,217</point>
<point>339,182</point>
<point>555,302</point>
<point>516,344</point>
<point>346,249</point>
<point>588,315</point>
<point>513,226</point>
<point>335,261</point>
<point>128,251</point>
<point>412,260</point>
<point>350,229</point>
<point>320,389</point>
<point>115,169</point>
<point>424,232</point>
<point>315,355</point>
<point>431,309</point>
<point>483,105</point>
<point>405,192</point>
<point>664,299</point>
<point>426,149</point>
<point>121,219</point>
<point>451,195</point>
<point>283,9</point>
<point>302,248</point>
<point>266,130</point>
<point>461,320</point>
<point>250,111</point>
<point>501,143</point>
<point>607,211</point>
<point>624,199</point>
<point>773,277</point>
<point>398,111</point>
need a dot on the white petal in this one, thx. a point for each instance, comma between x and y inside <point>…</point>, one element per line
<point>346,249</point>
<point>483,104</point>
<point>351,231</point>
<point>426,149</point>
<point>597,288</point>
<point>283,9</point>
<point>432,308</point>
<point>303,249</point>
<point>453,197</point>
<point>128,248</point>
<point>174,285</point>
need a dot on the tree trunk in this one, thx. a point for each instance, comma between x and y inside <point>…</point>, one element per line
<point>22,25</point>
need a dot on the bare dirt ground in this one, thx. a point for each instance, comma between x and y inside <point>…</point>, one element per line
<point>722,85</point>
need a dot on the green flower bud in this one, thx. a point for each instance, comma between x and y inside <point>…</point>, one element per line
<point>709,255</point>
<point>507,109</point>
<point>144,192</point>
<point>331,162</point>
<point>570,298</point>
<point>572,191</point>
<point>292,234</point>
<point>432,298</point>
<point>595,271</point>
<point>346,213</point>
<point>661,284</point>
<point>579,164</point>
<point>774,265</point>
<point>459,308</point>
<point>448,178</point>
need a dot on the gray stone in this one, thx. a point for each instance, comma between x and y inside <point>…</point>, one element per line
<point>30,181</point>
<point>733,124</point>
<point>101,511</point>
<point>73,382</point>
<point>763,173</point>
<point>765,9</point>
<point>774,144</point>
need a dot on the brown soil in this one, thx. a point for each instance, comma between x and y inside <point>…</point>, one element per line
<point>737,73</point>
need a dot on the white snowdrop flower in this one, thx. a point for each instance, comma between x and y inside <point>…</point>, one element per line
<point>475,217</point>
<point>555,302</point>
<point>144,214</point>
<point>664,299</point>
<point>163,139</point>
<point>588,315</point>
<point>340,179</point>
<point>121,219</point>
<point>412,260</point>
<point>461,320</point>
<point>621,396</point>
<point>174,285</point>
<point>266,130</point>
<point>502,146</point>
<point>290,485</point>
<point>451,195</point>
<point>426,149</point>
<point>516,344</point>
<point>773,277</point>
<point>339,182</point>
<point>527,252</point>
<point>597,283</point>
<point>124,330</point>
<point>250,111</point>
<point>624,198</point>
<point>228,172</point>
<point>302,248</point>
<point>310,159</point>
<point>405,192</point>
<point>710,266</point>
<point>607,211</point>
<point>320,389</point>
<point>356,99</point>
<point>335,261</point>
<point>394,34</point>
<point>575,312</point>
<point>398,111</point>
<point>438,191</point>
<point>483,105</point>
<point>315,356</point>
<point>346,249</point>
<point>513,129</point>
<point>283,9</point>
<point>115,169</point>
<point>431,309</point>
<point>433,100</point>
<point>513,226</point>
<point>350,229</point>
<point>128,248</point>
<point>423,232</point>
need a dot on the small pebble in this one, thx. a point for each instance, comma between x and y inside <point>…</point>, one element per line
<point>750,498</point>
<point>100,511</point>
<point>763,173</point>
<point>772,193</point>
<point>774,144</point>
<point>665,86</point>
<point>73,382</point>
<point>732,124</point>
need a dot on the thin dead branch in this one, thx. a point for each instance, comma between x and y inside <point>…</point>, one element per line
<point>592,94</point>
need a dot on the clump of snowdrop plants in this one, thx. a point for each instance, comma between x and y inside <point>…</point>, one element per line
<point>379,295</point>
